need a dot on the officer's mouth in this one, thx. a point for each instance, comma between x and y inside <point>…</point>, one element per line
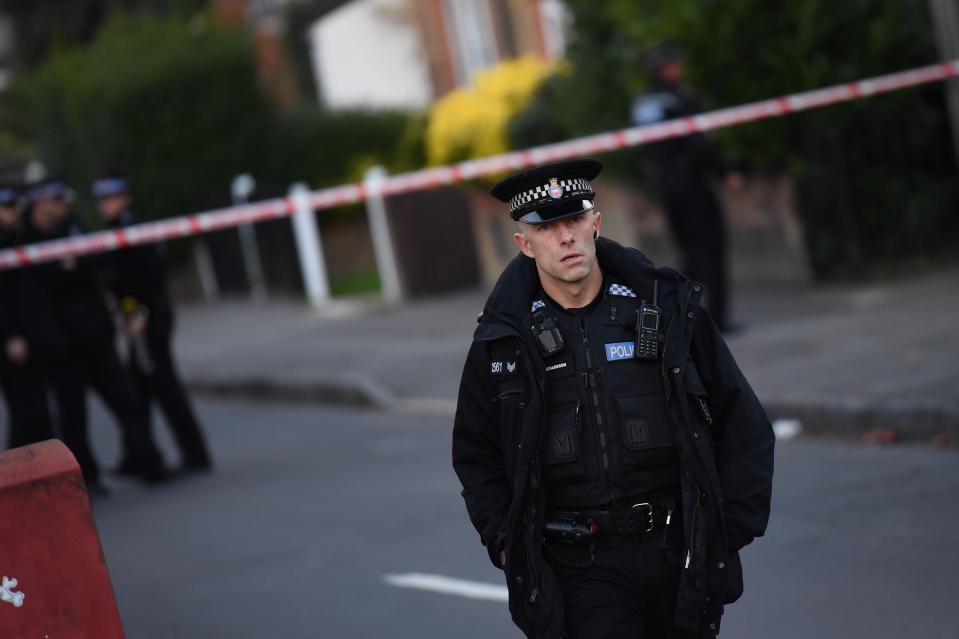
<point>571,258</point>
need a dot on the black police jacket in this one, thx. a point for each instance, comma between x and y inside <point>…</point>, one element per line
<point>140,273</point>
<point>70,295</point>
<point>675,162</point>
<point>25,312</point>
<point>724,438</point>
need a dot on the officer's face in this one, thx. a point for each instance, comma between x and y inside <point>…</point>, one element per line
<point>564,250</point>
<point>8,216</point>
<point>672,72</point>
<point>48,212</point>
<point>112,206</point>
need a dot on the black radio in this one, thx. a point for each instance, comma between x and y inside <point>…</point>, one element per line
<point>648,320</point>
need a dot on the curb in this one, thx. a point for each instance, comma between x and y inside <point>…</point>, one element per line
<point>346,390</point>
<point>856,417</point>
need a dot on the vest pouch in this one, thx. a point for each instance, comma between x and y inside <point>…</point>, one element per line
<point>561,451</point>
<point>511,396</point>
<point>646,436</point>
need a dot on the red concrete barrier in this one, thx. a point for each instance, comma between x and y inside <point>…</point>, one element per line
<point>53,577</point>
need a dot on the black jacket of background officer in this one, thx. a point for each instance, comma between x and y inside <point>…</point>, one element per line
<point>23,315</point>
<point>727,465</point>
<point>674,162</point>
<point>682,169</point>
<point>140,272</point>
<point>73,295</point>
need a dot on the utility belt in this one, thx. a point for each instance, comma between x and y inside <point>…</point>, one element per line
<point>641,517</point>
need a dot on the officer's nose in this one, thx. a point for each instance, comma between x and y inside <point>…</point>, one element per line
<point>565,234</point>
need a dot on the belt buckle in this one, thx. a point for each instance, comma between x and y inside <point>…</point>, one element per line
<point>649,512</point>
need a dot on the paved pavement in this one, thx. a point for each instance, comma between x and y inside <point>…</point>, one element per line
<point>312,507</point>
<point>842,359</point>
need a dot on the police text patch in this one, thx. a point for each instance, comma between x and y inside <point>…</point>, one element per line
<point>620,350</point>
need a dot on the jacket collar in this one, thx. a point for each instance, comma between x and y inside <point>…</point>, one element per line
<point>508,306</point>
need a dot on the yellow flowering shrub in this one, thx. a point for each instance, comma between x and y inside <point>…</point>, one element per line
<point>470,122</point>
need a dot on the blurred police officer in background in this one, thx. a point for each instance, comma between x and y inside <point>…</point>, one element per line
<point>614,459</point>
<point>683,168</point>
<point>75,300</point>
<point>137,277</point>
<point>21,353</point>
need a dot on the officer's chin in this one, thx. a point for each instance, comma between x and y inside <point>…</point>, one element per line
<point>573,276</point>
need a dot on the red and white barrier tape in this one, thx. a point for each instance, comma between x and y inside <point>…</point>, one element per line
<point>197,223</point>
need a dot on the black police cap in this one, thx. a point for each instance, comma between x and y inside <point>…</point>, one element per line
<point>550,192</point>
<point>53,187</point>
<point>109,184</point>
<point>9,195</point>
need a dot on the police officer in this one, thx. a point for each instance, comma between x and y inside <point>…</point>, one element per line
<point>137,279</point>
<point>613,458</point>
<point>683,169</point>
<point>21,355</point>
<point>75,300</point>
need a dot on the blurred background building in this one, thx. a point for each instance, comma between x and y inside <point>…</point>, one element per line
<point>398,53</point>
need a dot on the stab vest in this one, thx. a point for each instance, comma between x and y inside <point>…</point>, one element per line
<point>607,434</point>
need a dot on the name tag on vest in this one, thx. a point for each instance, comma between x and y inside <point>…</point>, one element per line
<point>620,350</point>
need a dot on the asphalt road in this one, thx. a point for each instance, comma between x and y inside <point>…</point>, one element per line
<point>310,508</point>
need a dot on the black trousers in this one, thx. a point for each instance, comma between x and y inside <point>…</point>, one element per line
<point>25,393</point>
<point>100,369</point>
<point>625,588</point>
<point>158,380</point>
<point>696,219</point>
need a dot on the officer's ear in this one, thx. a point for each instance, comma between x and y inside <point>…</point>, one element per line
<point>523,244</point>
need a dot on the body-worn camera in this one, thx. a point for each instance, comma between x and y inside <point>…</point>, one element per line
<point>547,333</point>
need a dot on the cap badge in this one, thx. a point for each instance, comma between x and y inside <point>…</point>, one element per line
<point>555,190</point>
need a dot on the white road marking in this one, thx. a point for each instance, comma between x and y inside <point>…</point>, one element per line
<point>786,429</point>
<point>449,586</point>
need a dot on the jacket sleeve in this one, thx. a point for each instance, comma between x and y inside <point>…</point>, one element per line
<point>477,454</point>
<point>744,437</point>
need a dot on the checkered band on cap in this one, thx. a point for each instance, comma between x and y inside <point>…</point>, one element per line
<point>540,193</point>
<point>622,291</point>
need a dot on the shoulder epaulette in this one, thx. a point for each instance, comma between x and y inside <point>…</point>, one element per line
<point>620,290</point>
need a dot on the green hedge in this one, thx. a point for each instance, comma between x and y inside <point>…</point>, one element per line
<point>176,104</point>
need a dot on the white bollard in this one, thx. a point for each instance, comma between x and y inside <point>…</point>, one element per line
<point>204,266</point>
<point>382,239</point>
<point>309,247</point>
<point>241,188</point>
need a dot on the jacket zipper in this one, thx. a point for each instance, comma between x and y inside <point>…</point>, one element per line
<point>704,409</point>
<point>591,383</point>
<point>662,361</point>
<point>534,587</point>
